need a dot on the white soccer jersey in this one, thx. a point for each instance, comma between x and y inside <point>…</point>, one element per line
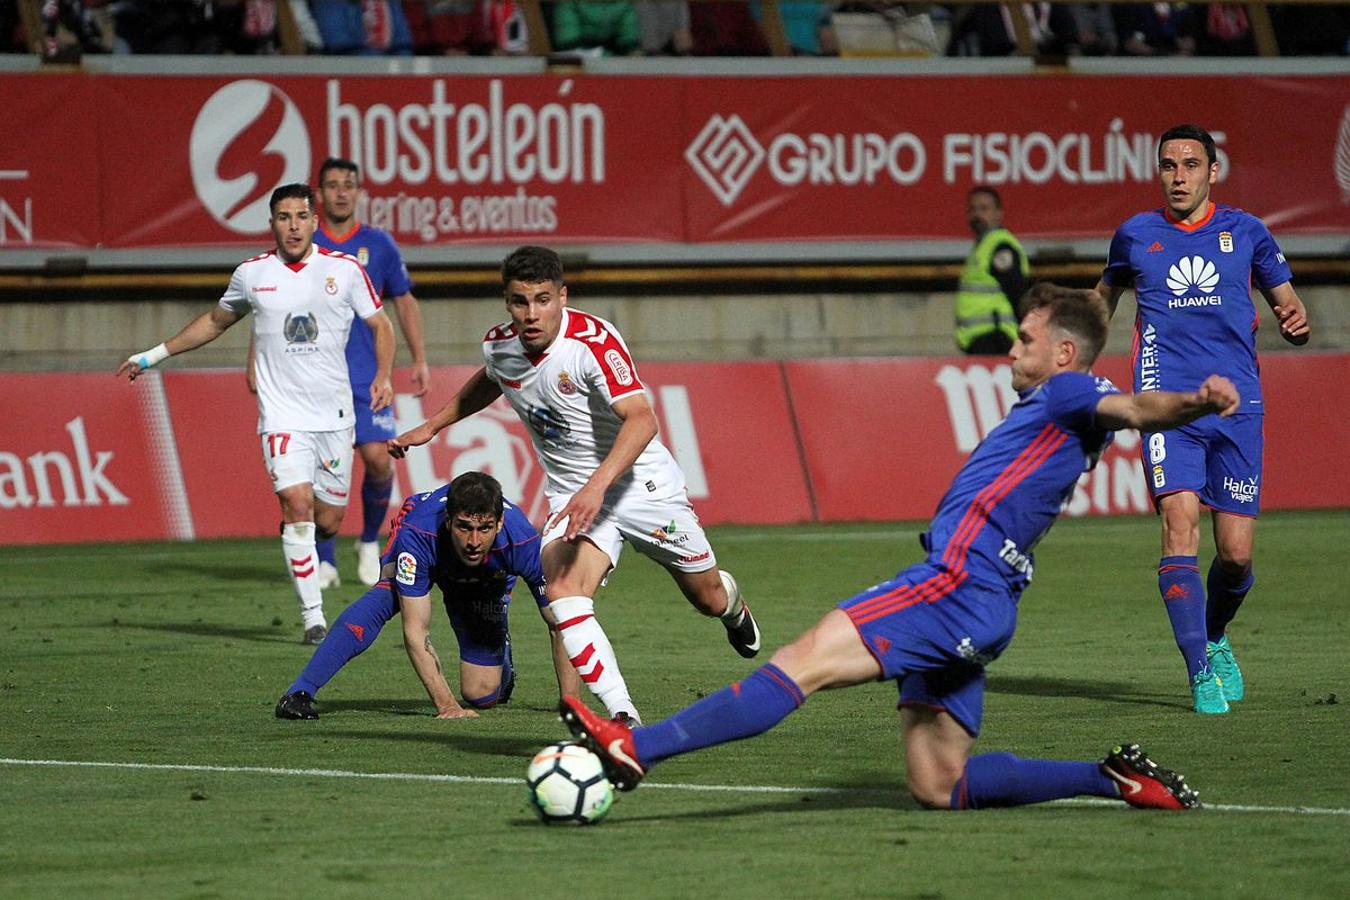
<point>564,396</point>
<point>302,314</point>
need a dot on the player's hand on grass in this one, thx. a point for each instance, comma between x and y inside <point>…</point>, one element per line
<point>1219,394</point>
<point>421,378</point>
<point>381,394</point>
<point>1294,326</point>
<point>458,712</point>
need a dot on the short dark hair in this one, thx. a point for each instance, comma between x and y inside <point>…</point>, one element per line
<point>474,494</point>
<point>1190,133</point>
<point>1078,312</point>
<point>297,190</point>
<point>337,162</point>
<point>531,265</point>
<point>985,189</point>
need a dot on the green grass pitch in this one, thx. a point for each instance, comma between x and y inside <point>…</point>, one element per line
<point>166,660</point>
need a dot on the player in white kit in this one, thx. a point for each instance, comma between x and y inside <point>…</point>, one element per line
<point>303,300</point>
<point>570,378</point>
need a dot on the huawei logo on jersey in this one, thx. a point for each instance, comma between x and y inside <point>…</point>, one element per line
<point>1193,271</point>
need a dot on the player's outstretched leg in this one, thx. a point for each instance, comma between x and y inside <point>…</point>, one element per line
<point>1145,784</point>
<point>354,631</point>
<point>742,629</point>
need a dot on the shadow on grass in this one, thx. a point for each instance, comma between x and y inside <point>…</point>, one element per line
<point>476,744</point>
<point>268,634</point>
<point>1106,691</point>
<point>225,571</point>
<point>885,795</point>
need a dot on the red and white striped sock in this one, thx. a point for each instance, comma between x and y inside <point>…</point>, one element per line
<point>590,652</point>
<point>302,561</point>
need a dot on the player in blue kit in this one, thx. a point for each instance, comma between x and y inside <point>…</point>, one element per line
<point>936,625</point>
<point>339,188</point>
<point>473,545</point>
<point>1192,264</point>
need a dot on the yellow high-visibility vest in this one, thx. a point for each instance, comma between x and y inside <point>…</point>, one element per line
<point>981,306</point>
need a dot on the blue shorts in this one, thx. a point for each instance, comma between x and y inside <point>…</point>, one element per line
<point>372,428</point>
<point>1219,460</point>
<point>935,632</point>
<point>480,628</point>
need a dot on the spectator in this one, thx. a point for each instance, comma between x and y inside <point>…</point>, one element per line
<point>1227,31</point>
<point>725,28</point>
<point>70,29</point>
<point>987,30</point>
<point>362,27</point>
<point>447,27</point>
<point>664,26</point>
<point>1094,30</point>
<point>608,26</point>
<point>1155,29</point>
<point>806,25</point>
<point>1312,30</point>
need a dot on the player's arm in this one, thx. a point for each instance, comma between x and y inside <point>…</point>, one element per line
<point>1110,293</point>
<point>202,330</point>
<point>382,388</point>
<point>636,432</point>
<point>1160,410</point>
<point>416,613</point>
<point>1289,311</point>
<point>251,376</point>
<point>409,315</point>
<point>477,393</point>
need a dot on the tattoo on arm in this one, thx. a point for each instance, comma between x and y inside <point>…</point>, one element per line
<point>426,645</point>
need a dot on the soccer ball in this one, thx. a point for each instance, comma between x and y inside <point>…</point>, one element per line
<point>567,785</point>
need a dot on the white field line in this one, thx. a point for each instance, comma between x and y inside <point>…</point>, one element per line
<point>481,779</point>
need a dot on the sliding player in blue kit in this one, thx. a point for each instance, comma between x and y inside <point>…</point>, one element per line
<point>1192,264</point>
<point>473,545</point>
<point>936,625</point>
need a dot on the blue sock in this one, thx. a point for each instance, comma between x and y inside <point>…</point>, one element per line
<point>354,631</point>
<point>327,550</point>
<point>374,506</point>
<point>1001,779</point>
<point>740,710</point>
<point>1184,596</point>
<point>1225,596</point>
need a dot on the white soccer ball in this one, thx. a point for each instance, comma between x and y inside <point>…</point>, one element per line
<point>567,785</point>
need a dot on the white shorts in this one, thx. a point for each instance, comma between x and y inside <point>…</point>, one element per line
<point>321,458</point>
<point>666,530</point>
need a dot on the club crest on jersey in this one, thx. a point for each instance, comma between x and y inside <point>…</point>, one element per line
<point>300,328</point>
<point>363,256</point>
<point>1225,242</point>
<point>406,568</point>
<point>330,285</point>
<point>565,384</point>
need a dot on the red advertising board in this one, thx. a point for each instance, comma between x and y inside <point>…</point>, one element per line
<point>176,454</point>
<point>591,158</point>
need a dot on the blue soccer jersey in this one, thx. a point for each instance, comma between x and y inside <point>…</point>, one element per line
<point>1009,492</point>
<point>421,551</point>
<point>378,253</point>
<point>1193,289</point>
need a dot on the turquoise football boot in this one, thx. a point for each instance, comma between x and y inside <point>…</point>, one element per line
<point>1207,691</point>
<point>1225,666</point>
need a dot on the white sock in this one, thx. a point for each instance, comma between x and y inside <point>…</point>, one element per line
<point>734,604</point>
<point>297,542</point>
<point>590,652</point>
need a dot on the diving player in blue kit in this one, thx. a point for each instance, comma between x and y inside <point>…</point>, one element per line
<point>936,625</point>
<point>1192,264</point>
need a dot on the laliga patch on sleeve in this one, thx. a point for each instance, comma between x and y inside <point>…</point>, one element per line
<point>407,568</point>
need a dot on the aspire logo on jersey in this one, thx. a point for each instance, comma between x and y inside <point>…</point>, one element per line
<point>248,139</point>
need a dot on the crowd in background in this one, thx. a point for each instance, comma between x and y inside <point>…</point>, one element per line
<point>663,27</point>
